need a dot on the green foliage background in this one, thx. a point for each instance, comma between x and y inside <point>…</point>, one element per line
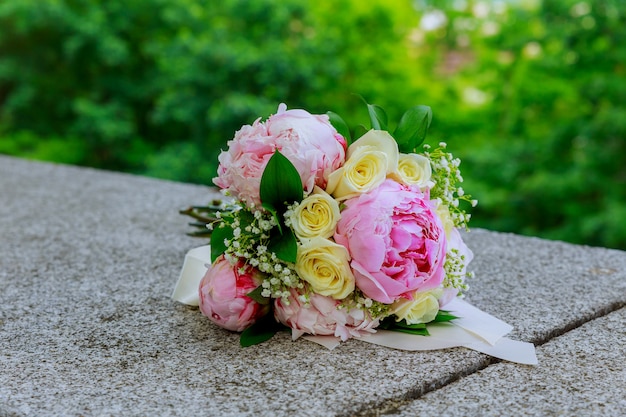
<point>530,94</point>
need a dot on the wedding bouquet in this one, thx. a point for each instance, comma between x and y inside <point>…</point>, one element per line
<point>327,235</point>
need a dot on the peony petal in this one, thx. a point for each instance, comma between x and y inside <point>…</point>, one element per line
<point>370,286</point>
<point>370,251</point>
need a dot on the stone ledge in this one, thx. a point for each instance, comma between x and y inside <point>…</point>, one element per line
<point>89,258</point>
<point>582,373</point>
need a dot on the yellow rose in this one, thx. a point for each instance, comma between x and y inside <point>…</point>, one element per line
<point>368,162</point>
<point>325,266</point>
<point>414,169</point>
<point>422,309</point>
<point>316,215</point>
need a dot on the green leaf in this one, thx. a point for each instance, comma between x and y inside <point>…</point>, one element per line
<point>263,329</point>
<point>444,316</point>
<point>280,182</point>
<point>284,245</point>
<point>203,214</point>
<point>386,323</point>
<point>201,233</point>
<point>218,236</point>
<point>404,325</point>
<point>341,126</point>
<point>412,128</point>
<point>199,225</point>
<point>255,294</point>
<point>246,218</point>
<point>359,131</point>
<point>378,117</point>
<point>418,332</point>
<point>389,323</point>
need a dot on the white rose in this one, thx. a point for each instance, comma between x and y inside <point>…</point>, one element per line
<point>325,265</point>
<point>369,160</point>
<point>422,309</point>
<point>415,169</point>
<point>316,215</point>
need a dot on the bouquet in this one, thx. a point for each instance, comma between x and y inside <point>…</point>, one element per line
<point>333,232</point>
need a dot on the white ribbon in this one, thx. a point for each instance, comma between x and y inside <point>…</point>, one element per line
<point>195,266</point>
<point>474,329</point>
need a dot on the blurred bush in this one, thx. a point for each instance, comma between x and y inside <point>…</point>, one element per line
<point>530,94</point>
<point>543,129</point>
<point>157,86</point>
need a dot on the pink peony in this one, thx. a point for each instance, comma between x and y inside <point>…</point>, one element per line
<point>396,241</point>
<point>322,317</point>
<point>309,141</point>
<point>223,296</point>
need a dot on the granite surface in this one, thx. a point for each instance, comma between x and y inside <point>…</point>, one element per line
<point>88,260</point>
<point>582,373</point>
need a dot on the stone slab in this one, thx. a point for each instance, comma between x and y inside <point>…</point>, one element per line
<point>582,373</point>
<point>88,260</point>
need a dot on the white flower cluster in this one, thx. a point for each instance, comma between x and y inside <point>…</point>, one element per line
<point>359,301</point>
<point>455,271</point>
<point>289,213</point>
<point>446,174</point>
<point>251,237</point>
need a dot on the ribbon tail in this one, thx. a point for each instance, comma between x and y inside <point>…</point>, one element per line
<point>195,266</point>
<point>477,322</point>
<point>508,350</point>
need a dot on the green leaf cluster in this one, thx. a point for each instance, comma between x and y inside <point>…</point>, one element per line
<point>218,238</point>
<point>410,132</point>
<point>280,186</point>
<point>260,331</point>
<point>419,329</point>
<point>205,217</point>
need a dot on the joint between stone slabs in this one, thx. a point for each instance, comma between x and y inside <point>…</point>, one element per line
<point>390,406</point>
<point>601,312</point>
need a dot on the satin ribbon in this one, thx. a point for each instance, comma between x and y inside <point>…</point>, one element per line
<point>474,329</point>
